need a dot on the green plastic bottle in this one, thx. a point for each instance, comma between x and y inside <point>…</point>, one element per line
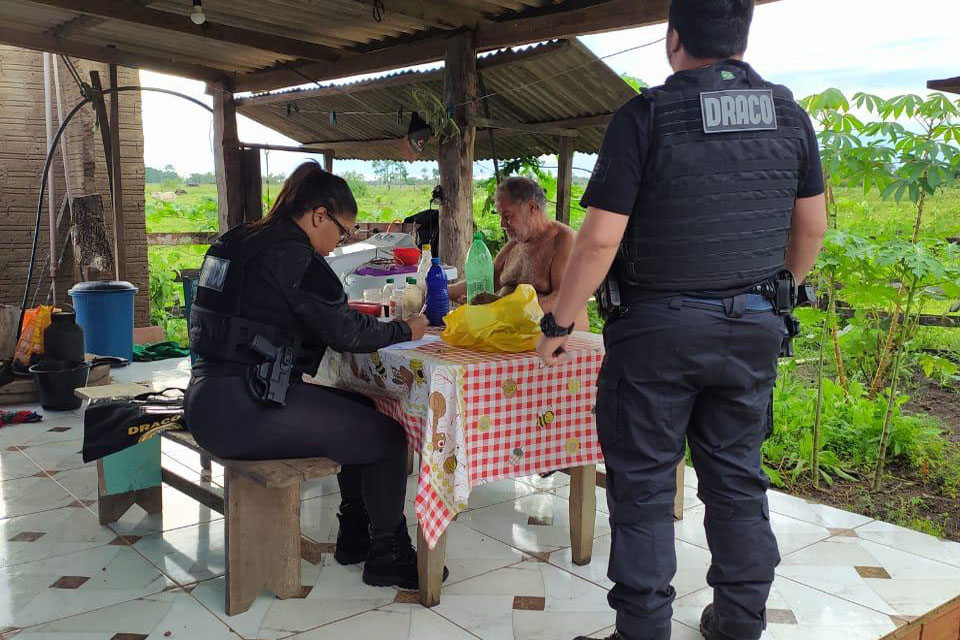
<point>478,269</point>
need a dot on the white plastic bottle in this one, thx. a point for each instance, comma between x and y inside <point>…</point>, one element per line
<point>412,298</point>
<point>397,310</point>
<point>386,296</point>
<point>423,267</point>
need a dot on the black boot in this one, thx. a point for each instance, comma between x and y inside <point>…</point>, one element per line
<point>709,626</point>
<point>392,561</point>
<point>353,539</point>
<point>616,635</point>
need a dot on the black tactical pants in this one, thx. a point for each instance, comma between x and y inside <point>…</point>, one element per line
<point>703,370</point>
<point>317,422</point>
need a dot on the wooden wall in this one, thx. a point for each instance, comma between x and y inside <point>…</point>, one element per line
<point>22,152</point>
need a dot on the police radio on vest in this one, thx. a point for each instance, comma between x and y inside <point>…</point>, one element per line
<point>738,110</point>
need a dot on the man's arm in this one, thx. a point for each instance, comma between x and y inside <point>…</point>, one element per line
<point>593,252</point>
<point>558,268</point>
<point>807,229</point>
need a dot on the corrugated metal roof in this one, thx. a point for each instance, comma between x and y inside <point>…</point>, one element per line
<point>557,81</point>
<point>346,25</point>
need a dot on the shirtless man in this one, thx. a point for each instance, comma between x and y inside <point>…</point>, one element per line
<point>537,247</point>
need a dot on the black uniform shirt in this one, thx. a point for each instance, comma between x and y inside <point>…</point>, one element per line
<point>616,177</point>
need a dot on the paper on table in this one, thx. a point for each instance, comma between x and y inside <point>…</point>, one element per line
<point>429,338</point>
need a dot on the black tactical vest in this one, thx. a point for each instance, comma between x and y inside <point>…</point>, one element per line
<point>712,217</point>
<point>229,310</point>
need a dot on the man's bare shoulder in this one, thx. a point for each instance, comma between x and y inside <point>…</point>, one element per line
<point>506,250</point>
<point>564,236</point>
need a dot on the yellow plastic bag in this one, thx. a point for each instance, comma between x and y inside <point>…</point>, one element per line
<point>35,322</point>
<point>509,325</point>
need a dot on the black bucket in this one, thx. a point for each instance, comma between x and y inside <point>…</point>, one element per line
<point>56,382</point>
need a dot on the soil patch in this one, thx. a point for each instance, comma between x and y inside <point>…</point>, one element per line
<point>909,497</point>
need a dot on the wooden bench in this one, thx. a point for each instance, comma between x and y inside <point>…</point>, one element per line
<point>260,503</point>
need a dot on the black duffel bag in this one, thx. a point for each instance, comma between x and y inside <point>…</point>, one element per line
<point>113,424</point>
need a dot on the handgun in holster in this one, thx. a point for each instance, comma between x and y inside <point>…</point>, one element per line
<point>609,304</point>
<point>787,297</point>
<point>269,380</point>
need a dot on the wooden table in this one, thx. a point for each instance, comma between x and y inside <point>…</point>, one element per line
<point>477,418</point>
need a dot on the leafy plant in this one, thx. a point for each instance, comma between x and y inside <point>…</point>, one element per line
<point>901,274</point>
<point>433,111</point>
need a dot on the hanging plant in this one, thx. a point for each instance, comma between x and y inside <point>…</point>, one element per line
<point>431,109</point>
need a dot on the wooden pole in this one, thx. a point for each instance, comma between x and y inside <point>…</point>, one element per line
<point>565,178</point>
<point>51,187</point>
<point>456,155</point>
<point>252,186</point>
<point>227,157</point>
<point>119,227</point>
<point>328,162</point>
<point>64,236</point>
<point>63,141</point>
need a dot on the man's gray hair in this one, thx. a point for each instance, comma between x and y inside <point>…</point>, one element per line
<point>522,190</point>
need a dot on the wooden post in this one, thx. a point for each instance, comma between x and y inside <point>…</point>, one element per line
<point>252,186</point>
<point>227,157</point>
<point>430,568</point>
<point>119,228</point>
<point>456,156</point>
<point>565,178</point>
<point>328,162</point>
<point>583,512</point>
<point>66,252</point>
<point>51,184</point>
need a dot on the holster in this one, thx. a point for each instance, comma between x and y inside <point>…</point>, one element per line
<point>609,303</point>
<point>268,380</point>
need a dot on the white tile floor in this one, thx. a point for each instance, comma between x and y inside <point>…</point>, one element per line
<point>64,577</point>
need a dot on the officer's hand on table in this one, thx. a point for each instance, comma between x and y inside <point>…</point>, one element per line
<point>418,326</point>
<point>553,351</point>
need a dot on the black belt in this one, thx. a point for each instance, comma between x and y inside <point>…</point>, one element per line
<point>224,369</point>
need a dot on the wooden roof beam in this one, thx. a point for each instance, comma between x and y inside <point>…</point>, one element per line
<point>540,129</point>
<point>950,85</point>
<point>180,23</point>
<point>110,55</point>
<point>500,130</point>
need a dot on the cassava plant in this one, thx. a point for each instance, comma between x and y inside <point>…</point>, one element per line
<point>904,147</point>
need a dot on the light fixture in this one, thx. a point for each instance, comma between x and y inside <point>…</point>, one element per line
<point>196,14</point>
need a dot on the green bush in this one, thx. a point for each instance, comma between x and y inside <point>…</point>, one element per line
<point>851,426</point>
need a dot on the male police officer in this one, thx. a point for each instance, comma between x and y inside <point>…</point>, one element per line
<point>706,198</point>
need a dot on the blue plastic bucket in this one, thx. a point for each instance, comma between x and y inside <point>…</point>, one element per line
<point>105,312</point>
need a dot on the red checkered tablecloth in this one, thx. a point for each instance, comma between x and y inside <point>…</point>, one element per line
<point>479,417</point>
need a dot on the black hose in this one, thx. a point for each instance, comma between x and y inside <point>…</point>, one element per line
<point>46,175</point>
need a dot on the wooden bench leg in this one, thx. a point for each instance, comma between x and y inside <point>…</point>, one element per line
<point>583,512</point>
<point>206,468</point>
<point>129,477</point>
<point>430,568</point>
<point>262,541</point>
<point>411,467</point>
<point>678,499</point>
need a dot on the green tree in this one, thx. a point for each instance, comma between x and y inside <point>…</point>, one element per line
<point>390,172</point>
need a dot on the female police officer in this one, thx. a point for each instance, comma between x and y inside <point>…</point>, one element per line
<point>267,308</point>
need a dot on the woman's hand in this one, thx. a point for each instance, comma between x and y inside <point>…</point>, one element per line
<point>418,326</point>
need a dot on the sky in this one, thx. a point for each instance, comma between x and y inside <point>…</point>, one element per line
<point>885,47</point>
